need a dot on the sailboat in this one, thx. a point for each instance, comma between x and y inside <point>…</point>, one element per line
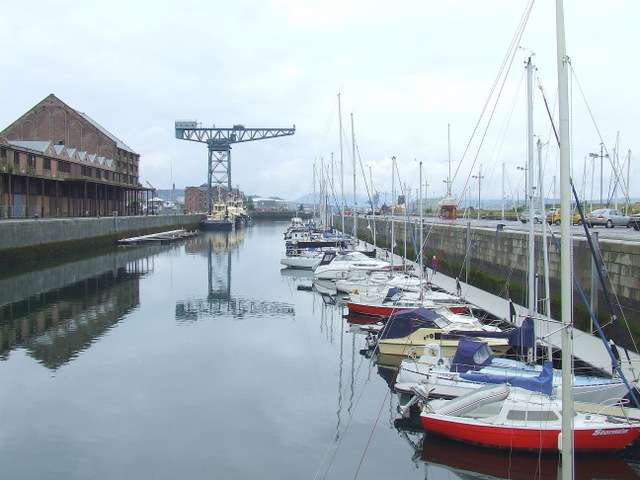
<point>467,370</point>
<point>524,415</point>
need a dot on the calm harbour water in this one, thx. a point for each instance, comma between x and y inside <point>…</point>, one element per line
<point>205,360</point>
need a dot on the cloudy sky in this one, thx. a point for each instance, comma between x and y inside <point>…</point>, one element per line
<point>407,72</point>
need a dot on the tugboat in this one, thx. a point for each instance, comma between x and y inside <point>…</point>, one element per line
<point>218,219</point>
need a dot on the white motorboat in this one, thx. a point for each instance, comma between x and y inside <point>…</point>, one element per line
<point>337,264</point>
<point>301,258</point>
<point>305,246</point>
<point>373,280</point>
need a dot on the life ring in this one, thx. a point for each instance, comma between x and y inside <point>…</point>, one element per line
<point>432,350</point>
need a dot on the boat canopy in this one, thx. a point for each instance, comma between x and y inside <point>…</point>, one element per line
<point>542,383</point>
<point>392,295</point>
<point>404,322</point>
<point>471,355</point>
<point>522,336</point>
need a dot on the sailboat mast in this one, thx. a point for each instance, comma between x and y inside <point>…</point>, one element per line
<point>355,202</point>
<point>449,149</point>
<point>421,231</point>
<point>393,208</point>
<point>626,207</point>
<point>341,166</point>
<point>315,204</point>
<point>566,253</point>
<point>531,279</point>
<point>545,254</point>
<point>373,208</point>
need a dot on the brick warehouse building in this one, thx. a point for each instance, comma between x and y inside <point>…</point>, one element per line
<point>196,199</point>
<point>56,161</point>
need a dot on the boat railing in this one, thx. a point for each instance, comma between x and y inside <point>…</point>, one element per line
<point>617,409</point>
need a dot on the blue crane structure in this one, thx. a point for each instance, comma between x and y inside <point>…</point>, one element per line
<point>219,142</point>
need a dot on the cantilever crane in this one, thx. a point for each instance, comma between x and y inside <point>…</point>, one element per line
<point>219,142</point>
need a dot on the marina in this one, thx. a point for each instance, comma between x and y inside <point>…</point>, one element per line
<point>184,359</point>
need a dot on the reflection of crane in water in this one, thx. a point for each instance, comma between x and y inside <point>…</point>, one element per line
<point>218,247</point>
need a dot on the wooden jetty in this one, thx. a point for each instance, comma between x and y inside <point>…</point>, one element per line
<point>161,237</point>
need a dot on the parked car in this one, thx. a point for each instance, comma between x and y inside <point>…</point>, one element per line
<point>553,216</point>
<point>609,217</point>
<point>634,221</point>
<point>537,216</point>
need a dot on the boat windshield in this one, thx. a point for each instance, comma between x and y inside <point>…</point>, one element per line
<point>352,257</point>
<point>458,318</point>
<point>441,322</point>
<point>483,354</point>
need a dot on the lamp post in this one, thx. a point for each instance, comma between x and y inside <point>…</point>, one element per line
<point>426,190</point>
<point>526,182</point>
<point>479,177</point>
<point>602,157</point>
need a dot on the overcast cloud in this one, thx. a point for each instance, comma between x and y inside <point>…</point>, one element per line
<point>405,70</point>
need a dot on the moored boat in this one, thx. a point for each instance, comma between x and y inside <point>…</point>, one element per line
<point>408,332</point>
<point>218,219</point>
<point>523,417</point>
<point>336,264</point>
<point>372,281</point>
<point>474,364</point>
<point>387,301</point>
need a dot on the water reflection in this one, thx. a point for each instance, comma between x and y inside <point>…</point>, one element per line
<point>442,457</point>
<point>55,314</point>
<point>438,455</point>
<point>218,247</point>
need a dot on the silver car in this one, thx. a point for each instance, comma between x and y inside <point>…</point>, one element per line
<point>538,216</point>
<point>609,217</point>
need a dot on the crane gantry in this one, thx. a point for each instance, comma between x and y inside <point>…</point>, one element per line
<point>219,142</point>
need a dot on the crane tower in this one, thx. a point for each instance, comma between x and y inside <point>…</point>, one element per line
<point>219,142</point>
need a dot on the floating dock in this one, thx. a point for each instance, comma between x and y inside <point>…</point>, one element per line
<point>161,237</point>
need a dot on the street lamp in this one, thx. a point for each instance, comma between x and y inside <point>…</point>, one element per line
<point>426,194</point>
<point>602,157</point>
<point>526,182</point>
<point>479,177</point>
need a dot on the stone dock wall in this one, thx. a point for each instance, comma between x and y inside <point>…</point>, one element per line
<point>32,233</point>
<point>41,241</point>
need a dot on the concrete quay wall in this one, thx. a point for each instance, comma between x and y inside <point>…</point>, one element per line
<point>20,234</point>
<point>503,255</point>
